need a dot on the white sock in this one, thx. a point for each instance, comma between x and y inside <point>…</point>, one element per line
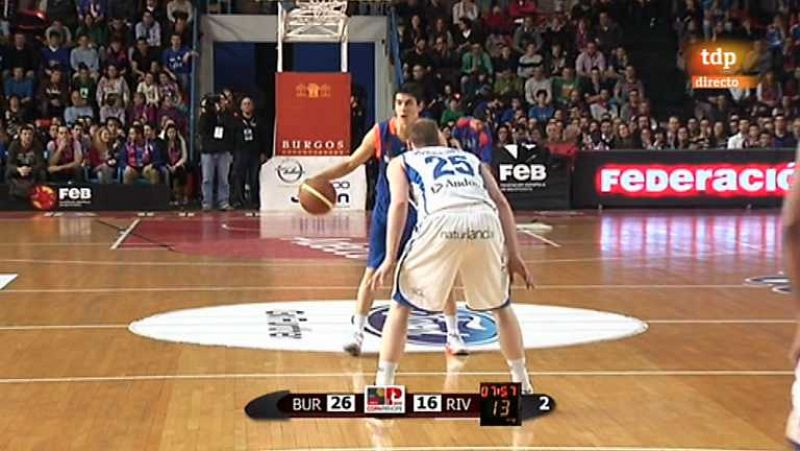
<point>385,375</point>
<point>519,373</point>
<point>452,324</point>
<point>359,321</point>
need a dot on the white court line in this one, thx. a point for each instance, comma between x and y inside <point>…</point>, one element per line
<point>52,243</point>
<point>332,262</point>
<point>517,448</point>
<point>34,327</point>
<point>539,237</point>
<point>214,288</point>
<point>722,321</point>
<point>6,279</point>
<point>223,376</point>
<point>125,234</point>
<point>230,228</point>
<point>64,327</point>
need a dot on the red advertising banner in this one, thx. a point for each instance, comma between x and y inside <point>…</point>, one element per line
<point>691,180</point>
<point>312,111</point>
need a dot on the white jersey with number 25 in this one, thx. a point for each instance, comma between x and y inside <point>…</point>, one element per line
<point>442,178</point>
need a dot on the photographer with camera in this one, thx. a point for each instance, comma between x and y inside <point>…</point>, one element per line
<point>217,130</point>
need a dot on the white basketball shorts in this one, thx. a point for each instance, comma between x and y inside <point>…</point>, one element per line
<point>446,244</point>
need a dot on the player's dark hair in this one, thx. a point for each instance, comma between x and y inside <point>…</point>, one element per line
<point>424,133</point>
<point>410,89</point>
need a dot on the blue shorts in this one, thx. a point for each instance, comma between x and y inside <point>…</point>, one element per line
<point>377,235</point>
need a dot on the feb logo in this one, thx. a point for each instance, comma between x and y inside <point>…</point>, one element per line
<point>67,193</point>
<point>43,197</point>
<point>429,329</point>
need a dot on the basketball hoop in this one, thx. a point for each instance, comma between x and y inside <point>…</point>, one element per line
<point>313,21</point>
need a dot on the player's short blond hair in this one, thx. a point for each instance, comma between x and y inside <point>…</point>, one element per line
<point>424,133</point>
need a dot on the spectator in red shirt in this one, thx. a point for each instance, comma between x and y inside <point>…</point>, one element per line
<point>521,8</point>
<point>102,157</point>
<point>497,21</point>
<point>66,157</point>
<point>561,144</point>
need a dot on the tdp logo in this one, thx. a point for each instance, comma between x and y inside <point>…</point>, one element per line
<point>718,57</point>
<point>74,193</point>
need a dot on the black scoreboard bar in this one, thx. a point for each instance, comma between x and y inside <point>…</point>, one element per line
<point>494,407</point>
<point>351,405</point>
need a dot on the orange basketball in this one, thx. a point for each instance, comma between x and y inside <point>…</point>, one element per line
<point>317,196</point>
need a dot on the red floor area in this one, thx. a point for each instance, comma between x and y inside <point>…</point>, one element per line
<point>266,237</point>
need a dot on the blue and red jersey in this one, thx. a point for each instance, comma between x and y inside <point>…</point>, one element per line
<point>472,140</point>
<point>387,146</point>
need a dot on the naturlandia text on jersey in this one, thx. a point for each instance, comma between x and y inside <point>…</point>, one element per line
<point>432,150</point>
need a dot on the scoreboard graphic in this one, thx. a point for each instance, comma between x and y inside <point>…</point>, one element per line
<point>496,404</point>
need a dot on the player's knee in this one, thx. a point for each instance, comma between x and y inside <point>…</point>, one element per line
<point>502,311</point>
<point>401,309</point>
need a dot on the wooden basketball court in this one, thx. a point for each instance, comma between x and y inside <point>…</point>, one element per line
<point>710,372</point>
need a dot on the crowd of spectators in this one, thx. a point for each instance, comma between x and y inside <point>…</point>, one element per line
<point>564,78</point>
<point>97,90</point>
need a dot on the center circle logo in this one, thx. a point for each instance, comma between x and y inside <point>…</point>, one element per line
<point>322,325</point>
<point>289,171</point>
<point>429,329</point>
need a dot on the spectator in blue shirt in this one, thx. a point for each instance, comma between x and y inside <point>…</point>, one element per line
<point>54,54</point>
<point>176,60</point>
<point>20,86</point>
<point>509,114</point>
<point>94,8</point>
<point>86,55</point>
<point>542,111</point>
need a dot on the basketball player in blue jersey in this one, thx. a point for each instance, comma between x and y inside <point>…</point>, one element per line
<point>473,136</point>
<point>465,227</point>
<point>791,256</point>
<point>385,141</point>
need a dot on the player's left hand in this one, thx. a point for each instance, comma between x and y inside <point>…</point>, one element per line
<point>517,266</point>
<point>380,274</point>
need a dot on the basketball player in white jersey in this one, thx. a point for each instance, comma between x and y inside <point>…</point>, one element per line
<point>386,141</point>
<point>465,227</point>
<point>791,256</point>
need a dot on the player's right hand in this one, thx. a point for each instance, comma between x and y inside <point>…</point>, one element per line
<point>380,274</point>
<point>517,266</point>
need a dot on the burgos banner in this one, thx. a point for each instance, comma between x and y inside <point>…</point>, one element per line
<point>312,113</point>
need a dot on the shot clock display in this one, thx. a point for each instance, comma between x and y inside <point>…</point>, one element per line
<point>500,403</point>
